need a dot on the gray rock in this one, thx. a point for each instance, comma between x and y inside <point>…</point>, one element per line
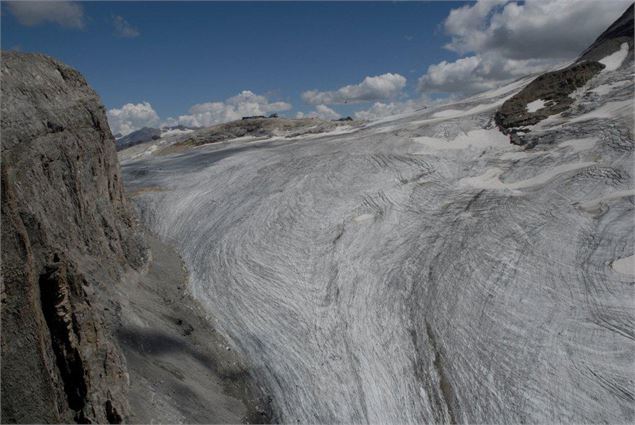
<point>172,344</point>
<point>553,87</point>
<point>556,87</point>
<point>68,234</point>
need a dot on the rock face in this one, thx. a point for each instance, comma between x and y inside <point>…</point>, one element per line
<point>555,88</point>
<point>67,236</point>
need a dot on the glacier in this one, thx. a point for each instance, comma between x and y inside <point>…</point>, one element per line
<point>420,268</point>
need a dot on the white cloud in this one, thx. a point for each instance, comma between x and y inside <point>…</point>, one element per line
<point>123,28</point>
<point>558,29</point>
<point>477,73</point>
<point>509,40</point>
<point>64,13</point>
<point>131,117</point>
<point>380,87</point>
<point>245,103</point>
<point>466,22</point>
<point>322,112</point>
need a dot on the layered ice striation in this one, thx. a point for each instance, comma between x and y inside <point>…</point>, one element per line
<point>420,269</point>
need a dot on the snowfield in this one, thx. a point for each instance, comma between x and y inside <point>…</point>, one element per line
<point>420,269</point>
<point>614,61</point>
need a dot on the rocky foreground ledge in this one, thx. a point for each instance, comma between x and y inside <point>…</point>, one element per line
<point>97,323</point>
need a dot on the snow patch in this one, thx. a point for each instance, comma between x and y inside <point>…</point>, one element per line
<point>594,204</point>
<point>625,265</point>
<point>535,105</point>
<point>363,217</point>
<point>491,178</point>
<point>614,60</point>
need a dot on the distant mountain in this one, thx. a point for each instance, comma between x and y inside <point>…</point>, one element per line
<point>140,136</point>
<point>258,127</point>
<point>147,134</point>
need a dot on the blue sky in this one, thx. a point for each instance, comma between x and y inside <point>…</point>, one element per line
<point>174,55</point>
<point>188,53</point>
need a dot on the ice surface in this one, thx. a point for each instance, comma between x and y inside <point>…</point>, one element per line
<point>616,109</point>
<point>491,178</point>
<point>594,204</point>
<point>605,89</point>
<point>419,269</point>
<point>579,145</point>
<point>479,139</point>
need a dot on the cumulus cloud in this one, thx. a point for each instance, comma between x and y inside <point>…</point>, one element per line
<point>123,28</point>
<point>245,103</point>
<point>558,29</point>
<point>380,87</point>
<point>131,117</point>
<point>64,13</point>
<point>477,73</point>
<point>322,112</point>
<point>506,40</point>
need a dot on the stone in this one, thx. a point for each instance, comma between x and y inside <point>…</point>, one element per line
<point>68,235</point>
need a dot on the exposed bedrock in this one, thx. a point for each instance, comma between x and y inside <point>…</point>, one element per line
<point>553,88</point>
<point>67,236</point>
<point>94,327</point>
<point>552,92</point>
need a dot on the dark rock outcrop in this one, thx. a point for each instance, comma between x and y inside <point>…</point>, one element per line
<point>68,235</point>
<point>555,88</point>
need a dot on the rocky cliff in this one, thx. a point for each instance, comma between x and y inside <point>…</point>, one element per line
<point>67,237</point>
